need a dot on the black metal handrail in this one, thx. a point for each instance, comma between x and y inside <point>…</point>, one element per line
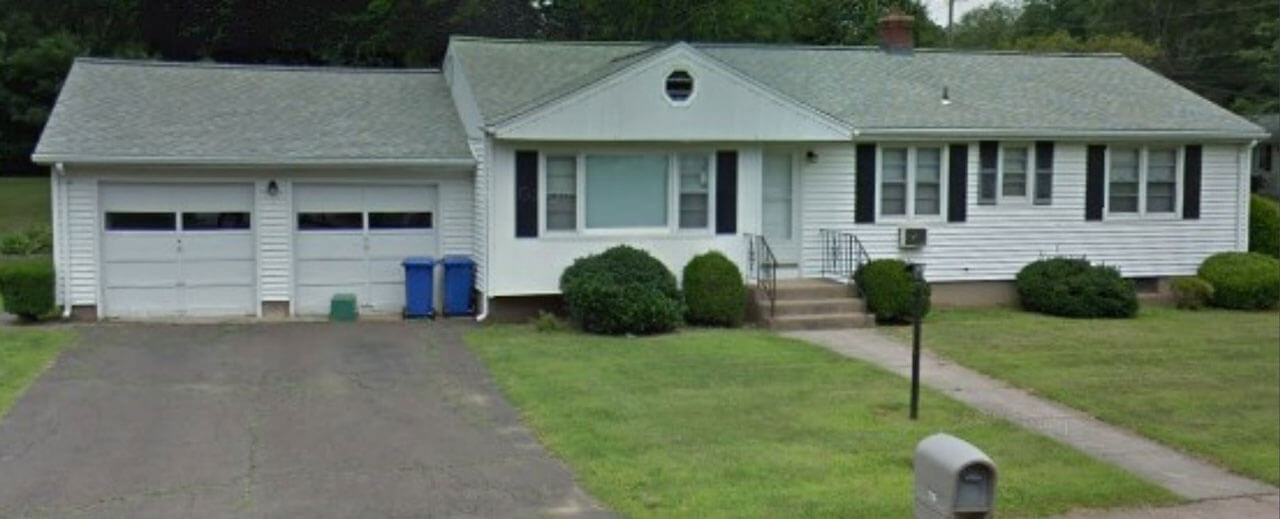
<point>764,268</point>
<point>842,253</point>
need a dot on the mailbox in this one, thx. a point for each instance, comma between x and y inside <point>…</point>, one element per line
<point>954,480</point>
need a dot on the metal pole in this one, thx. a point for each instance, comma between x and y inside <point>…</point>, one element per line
<point>951,10</point>
<point>915,351</point>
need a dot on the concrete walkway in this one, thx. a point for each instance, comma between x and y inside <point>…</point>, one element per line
<point>1182,474</point>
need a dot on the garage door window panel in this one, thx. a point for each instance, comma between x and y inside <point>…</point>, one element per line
<point>223,221</point>
<point>140,221</point>
<point>400,220</point>
<point>353,221</point>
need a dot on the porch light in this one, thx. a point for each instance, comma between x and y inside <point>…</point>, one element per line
<point>273,189</point>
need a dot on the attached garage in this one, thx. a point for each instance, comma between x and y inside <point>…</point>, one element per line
<point>177,249</point>
<point>353,238</point>
<point>203,190</point>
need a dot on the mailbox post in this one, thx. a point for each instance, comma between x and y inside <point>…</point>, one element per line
<point>953,480</point>
<point>917,281</point>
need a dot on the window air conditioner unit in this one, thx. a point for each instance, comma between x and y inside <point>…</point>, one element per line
<point>912,237</point>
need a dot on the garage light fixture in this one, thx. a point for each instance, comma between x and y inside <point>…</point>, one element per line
<point>273,189</point>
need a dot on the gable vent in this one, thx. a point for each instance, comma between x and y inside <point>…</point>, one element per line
<point>679,86</point>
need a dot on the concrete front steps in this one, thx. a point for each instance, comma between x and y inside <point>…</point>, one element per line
<point>813,304</point>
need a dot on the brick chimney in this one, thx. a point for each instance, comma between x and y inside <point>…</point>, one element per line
<point>895,32</point>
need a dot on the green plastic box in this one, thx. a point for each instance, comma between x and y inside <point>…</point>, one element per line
<point>342,308</point>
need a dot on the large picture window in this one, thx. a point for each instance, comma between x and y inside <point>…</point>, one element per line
<point>911,181</point>
<point>1142,180</point>
<point>626,191</point>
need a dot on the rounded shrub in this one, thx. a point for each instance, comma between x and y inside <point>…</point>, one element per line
<point>1242,280</point>
<point>1264,226</point>
<point>1072,287</point>
<point>1191,293</point>
<point>889,290</point>
<point>714,293</point>
<point>27,288</point>
<point>621,290</point>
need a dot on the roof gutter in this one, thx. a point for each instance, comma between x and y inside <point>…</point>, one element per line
<point>1065,134</point>
<point>251,161</point>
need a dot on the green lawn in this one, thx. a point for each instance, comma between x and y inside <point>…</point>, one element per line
<point>23,201</point>
<point>24,354</point>
<point>1207,382</point>
<point>749,424</point>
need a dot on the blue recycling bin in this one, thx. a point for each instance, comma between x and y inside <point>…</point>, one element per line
<point>459,271</point>
<point>419,286</point>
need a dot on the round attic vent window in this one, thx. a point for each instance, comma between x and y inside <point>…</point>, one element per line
<point>679,86</point>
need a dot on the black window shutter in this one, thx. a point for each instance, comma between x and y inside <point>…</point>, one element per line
<point>1095,179</point>
<point>957,182</point>
<point>988,153</point>
<point>1044,173</point>
<point>726,192</point>
<point>864,210</point>
<point>526,194</point>
<point>1191,183</point>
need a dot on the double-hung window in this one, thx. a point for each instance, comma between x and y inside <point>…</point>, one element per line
<point>1014,164</point>
<point>695,189</point>
<point>1142,180</point>
<point>627,191</point>
<point>562,192</point>
<point>911,181</point>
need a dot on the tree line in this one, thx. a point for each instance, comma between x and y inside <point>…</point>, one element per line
<point>1223,50</point>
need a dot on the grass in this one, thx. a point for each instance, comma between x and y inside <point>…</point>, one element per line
<point>749,424</point>
<point>1207,382</point>
<point>24,354</point>
<point>23,201</point>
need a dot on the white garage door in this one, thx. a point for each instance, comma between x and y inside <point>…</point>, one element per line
<point>352,239</point>
<point>177,249</point>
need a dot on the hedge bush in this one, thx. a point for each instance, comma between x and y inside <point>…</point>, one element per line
<point>1070,287</point>
<point>1242,280</point>
<point>888,289</point>
<point>621,290</point>
<point>1191,293</point>
<point>714,293</point>
<point>36,239</point>
<point>27,288</point>
<point>1264,226</point>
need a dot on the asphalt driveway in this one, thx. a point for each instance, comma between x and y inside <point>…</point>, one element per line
<point>275,420</point>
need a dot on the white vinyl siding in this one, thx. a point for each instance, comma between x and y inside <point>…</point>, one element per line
<point>995,242</point>
<point>82,244</point>
<point>275,243</point>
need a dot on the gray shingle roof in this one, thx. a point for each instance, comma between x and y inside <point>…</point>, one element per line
<point>871,90</point>
<point>149,110</point>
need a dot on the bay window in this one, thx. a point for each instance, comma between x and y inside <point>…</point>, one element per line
<point>911,181</point>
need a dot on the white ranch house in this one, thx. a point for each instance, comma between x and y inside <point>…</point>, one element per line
<point>213,190</point>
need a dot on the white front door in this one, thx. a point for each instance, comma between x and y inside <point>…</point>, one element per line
<point>779,208</point>
<point>177,249</point>
<point>353,239</point>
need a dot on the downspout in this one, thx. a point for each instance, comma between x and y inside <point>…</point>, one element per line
<point>1243,195</point>
<point>60,247</point>
<point>488,228</point>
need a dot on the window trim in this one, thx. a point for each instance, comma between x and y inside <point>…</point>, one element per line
<point>672,226</point>
<point>1179,158</point>
<point>944,187</point>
